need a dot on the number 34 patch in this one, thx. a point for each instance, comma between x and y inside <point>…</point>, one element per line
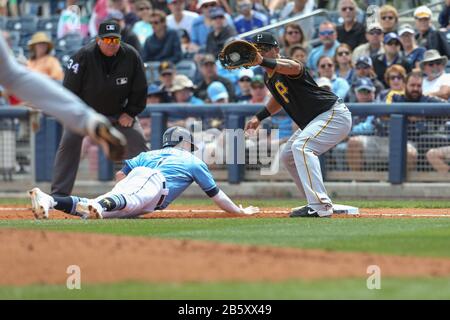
<point>73,66</point>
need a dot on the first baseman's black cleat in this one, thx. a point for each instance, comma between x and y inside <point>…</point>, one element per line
<point>307,212</point>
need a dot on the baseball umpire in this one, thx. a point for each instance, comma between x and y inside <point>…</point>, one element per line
<point>322,117</point>
<point>148,182</point>
<point>48,96</point>
<point>109,76</point>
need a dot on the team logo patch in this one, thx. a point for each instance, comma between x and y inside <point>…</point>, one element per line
<point>121,81</point>
<point>110,27</point>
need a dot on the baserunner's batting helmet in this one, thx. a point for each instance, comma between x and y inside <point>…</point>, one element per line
<point>175,135</point>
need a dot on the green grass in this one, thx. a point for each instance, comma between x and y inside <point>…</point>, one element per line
<point>422,237</point>
<point>422,288</point>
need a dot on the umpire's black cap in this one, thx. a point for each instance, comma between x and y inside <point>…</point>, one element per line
<point>265,38</point>
<point>109,28</point>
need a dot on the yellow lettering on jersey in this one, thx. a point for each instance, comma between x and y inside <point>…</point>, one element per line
<point>282,90</point>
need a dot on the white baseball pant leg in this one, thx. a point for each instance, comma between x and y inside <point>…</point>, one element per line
<point>300,155</point>
<point>142,189</point>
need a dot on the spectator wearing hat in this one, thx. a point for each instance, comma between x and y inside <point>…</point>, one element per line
<point>351,31</point>
<point>109,76</point>
<point>364,69</point>
<point>221,31</point>
<point>437,81</point>
<point>374,45</point>
<point>248,19</point>
<point>143,28</point>
<point>392,55</point>
<point>202,26</point>
<point>164,43</point>
<point>179,18</point>
<point>208,71</point>
<point>444,16</point>
<point>155,94</point>
<point>183,91</point>
<point>41,60</point>
<point>426,36</point>
<point>414,90</point>
<point>388,18</point>
<point>339,86</point>
<point>167,73</point>
<point>128,36</point>
<point>324,82</point>
<point>244,85</point>
<point>258,90</point>
<point>369,141</point>
<point>329,44</point>
<point>413,53</point>
<point>395,77</point>
<point>217,93</point>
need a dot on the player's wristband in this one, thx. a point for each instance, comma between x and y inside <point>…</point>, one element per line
<point>269,63</point>
<point>262,114</point>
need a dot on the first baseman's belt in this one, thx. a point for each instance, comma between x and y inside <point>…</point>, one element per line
<point>163,197</point>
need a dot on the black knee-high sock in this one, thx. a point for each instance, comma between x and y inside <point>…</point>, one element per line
<point>64,204</point>
<point>115,202</point>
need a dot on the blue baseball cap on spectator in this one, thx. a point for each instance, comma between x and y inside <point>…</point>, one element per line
<point>364,83</point>
<point>364,60</point>
<point>216,91</point>
<point>391,36</point>
<point>215,12</point>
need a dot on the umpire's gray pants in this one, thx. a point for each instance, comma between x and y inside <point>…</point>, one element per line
<point>69,152</point>
<point>301,151</point>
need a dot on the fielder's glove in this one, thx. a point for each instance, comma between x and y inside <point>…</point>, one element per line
<point>237,54</point>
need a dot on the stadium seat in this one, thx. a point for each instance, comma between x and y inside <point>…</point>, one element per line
<point>70,42</point>
<point>2,22</point>
<point>187,68</point>
<point>26,25</point>
<point>151,71</point>
<point>14,38</point>
<point>48,25</point>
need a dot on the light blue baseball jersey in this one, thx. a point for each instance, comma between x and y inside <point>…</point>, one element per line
<point>179,167</point>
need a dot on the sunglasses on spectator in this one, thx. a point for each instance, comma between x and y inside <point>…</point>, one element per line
<point>292,32</point>
<point>388,18</point>
<point>423,19</point>
<point>362,66</point>
<point>218,17</point>
<point>156,22</point>
<point>395,78</point>
<point>143,8</point>
<point>208,5</point>
<point>109,40</point>
<point>393,43</point>
<point>376,32</point>
<point>364,91</point>
<point>432,63</point>
<point>326,33</point>
<point>343,53</point>
<point>347,9</point>
<point>245,79</point>
<point>326,65</point>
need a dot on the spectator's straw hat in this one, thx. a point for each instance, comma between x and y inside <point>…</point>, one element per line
<point>432,55</point>
<point>40,37</point>
<point>181,82</point>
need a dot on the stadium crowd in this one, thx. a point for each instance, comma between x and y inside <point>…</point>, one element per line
<point>179,41</point>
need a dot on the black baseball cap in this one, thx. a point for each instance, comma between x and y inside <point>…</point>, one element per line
<point>265,38</point>
<point>109,28</point>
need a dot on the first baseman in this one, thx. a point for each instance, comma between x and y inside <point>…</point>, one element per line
<point>322,117</point>
<point>148,182</point>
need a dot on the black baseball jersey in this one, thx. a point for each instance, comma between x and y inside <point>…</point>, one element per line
<point>300,96</point>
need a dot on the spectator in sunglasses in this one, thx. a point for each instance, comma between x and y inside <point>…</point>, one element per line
<point>164,44</point>
<point>437,81</point>
<point>339,86</point>
<point>374,45</point>
<point>413,53</point>
<point>293,35</point>
<point>220,33</point>
<point>343,62</point>
<point>329,44</point>
<point>393,55</point>
<point>364,69</point>
<point>143,29</point>
<point>244,85</point>
<point>388,18</point>
<point>351,31</point>
<point>426,36</point>
<point>395,78</point>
